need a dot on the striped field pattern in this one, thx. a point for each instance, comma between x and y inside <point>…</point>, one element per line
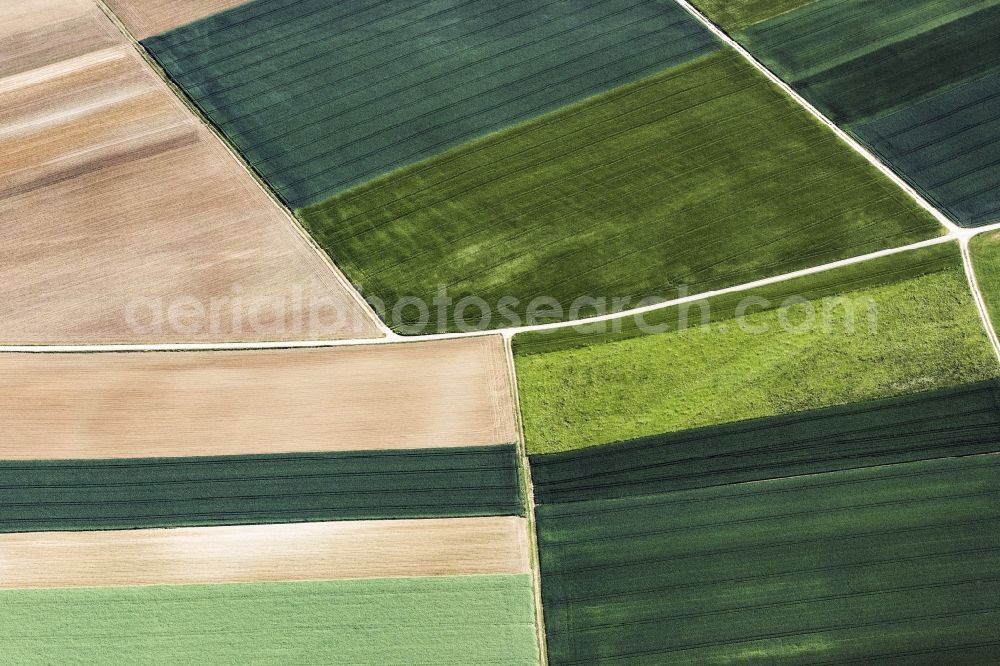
<point>322,96</point>
<point>170,492</point>
<point>700,177</point>
<point>915,81</point>
<point>889,558</point>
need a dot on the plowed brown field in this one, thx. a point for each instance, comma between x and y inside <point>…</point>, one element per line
<point>144,18</point>
<point>406,395</point>
<point>123,219</point>
<point>243,554</point>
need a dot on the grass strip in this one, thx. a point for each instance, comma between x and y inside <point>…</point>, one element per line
<point>433,620</point>
<point>865,339</point>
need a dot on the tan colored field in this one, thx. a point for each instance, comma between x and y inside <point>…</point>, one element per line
<point>391,396</point>
<point>253,553</point>
<point>123,219</point>
<point>145,18</point>
<point>34,33</point>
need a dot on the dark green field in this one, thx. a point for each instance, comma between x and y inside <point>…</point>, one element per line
<point>888,565</point>
<point>321,96</point>
<point>172,492</point>
<point>948,147</point>
<point>916,81</point>
<point>700,177</point>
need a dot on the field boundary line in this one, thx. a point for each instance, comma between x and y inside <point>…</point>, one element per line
<point>527,487</point>
<point>943,219</point>
<point>508,332</point>
<point>977,295</point>
<point>182,97</point>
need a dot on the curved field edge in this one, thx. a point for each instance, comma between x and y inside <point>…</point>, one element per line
<point>236,490</point>
<point>442,619</point>
<point>556,208</point>
<point>895,325</point>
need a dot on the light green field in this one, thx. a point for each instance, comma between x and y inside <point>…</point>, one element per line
<point>435,620</point>
<point>985,250</point>
<point>926,334</point>
<point>735,15</point>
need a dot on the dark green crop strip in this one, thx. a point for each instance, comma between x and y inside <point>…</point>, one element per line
<point>231,490</point>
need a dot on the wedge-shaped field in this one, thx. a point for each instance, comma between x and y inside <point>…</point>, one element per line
<point>948,147</point>
<point>145,18</point>
<point>889,564</point>
<point>322,96</point>
<point>462,620</point>
<point>700,177</point>
<point>170,492</point>
<point>951,422</point>
<point>915,80</point>
<point>985,250</point>
<point>166,404</point>
<point>877,329</point>
<point>254,553</point>
<point>124,220</point>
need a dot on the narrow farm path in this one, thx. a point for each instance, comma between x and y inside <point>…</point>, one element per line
<point>954,232</point>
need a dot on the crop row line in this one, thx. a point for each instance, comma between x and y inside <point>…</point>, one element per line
<point>621,563</point>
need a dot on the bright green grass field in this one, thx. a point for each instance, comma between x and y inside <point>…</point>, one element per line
<point>985,250</point>
<point>733,15</point>
<point>927,334</point>
<point>433,620</point>
<point>703,176</point>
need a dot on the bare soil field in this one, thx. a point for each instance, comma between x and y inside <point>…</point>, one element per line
<point>145,18</point>
<point>393,396</point>
<point>34,33</point>
<point>125,220</point>
<point>246,554</point>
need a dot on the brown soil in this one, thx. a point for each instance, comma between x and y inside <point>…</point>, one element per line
<point>252,553</point>
<point>150,17</point>
<point>389,396</point>
<point>34,33</point>
<point>125,220</point>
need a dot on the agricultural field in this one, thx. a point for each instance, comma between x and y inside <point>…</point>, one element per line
<point>915,81</point>
<point>883,328</point>
<point>225,451</point>
<point>145,18</point>
<point>460,620</point>
<point>741,14</point>
<point>985,251</point>
<point>320,97</point>
<point>255,553</point>
<point>135,493</point>
<point>960,421</point>
<point>948,148</point>
<point>36,33</point>
<point>700,177</point>
<point>125,220</point>
<point>887,564</point>
<point>89,406</point>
